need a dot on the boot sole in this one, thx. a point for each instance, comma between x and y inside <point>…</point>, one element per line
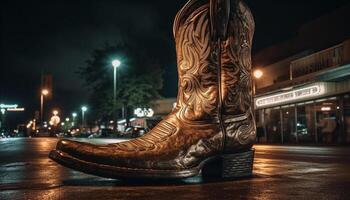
<point>227,166</point>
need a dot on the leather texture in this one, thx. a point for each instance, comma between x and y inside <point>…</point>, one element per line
<point>213,115</point>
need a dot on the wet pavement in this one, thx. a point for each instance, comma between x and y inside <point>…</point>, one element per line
<point>280,172</point>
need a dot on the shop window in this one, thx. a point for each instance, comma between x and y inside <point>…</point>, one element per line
<point>272,123</point>
<point>289,126</point>
<point>327,116</point>
<point>260,132</point>
<point>306,123</point>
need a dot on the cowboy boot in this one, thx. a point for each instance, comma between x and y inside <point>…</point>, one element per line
<point>212,124</point>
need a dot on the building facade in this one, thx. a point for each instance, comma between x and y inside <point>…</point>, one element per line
<point>305,97</point>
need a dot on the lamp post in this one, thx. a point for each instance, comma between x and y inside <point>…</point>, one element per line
<point>116,64</point>
<point>44,92</point>
<point>257,75</point>
<point>74,115</point>
<point>83,110</point>
<point>2,119</point>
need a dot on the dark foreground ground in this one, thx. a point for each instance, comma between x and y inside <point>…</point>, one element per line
<point>280,172</point>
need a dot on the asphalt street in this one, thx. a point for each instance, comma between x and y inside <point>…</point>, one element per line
<point>280,172</point>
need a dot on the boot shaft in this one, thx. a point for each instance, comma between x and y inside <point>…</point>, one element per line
<point>213,43</point>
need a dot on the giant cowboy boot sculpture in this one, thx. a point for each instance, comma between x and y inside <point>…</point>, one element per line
<point>212,122</point>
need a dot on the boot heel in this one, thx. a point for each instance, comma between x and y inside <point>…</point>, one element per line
<point>230,166</point>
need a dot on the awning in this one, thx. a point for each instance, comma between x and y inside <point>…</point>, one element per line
<point>337,74</point>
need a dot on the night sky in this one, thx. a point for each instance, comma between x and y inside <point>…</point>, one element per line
<point>57,37</point>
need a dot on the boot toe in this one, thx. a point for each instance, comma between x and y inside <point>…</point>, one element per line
<point>67,146</point>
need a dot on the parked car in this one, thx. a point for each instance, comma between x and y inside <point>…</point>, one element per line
<point>135,131</point>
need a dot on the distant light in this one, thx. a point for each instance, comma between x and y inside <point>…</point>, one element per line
<point>8,106</point>
<point>3,110</point>
<point>62,124</point>
<point>258,74</point>
<point>55,120</point>
<point>15,109</point>
<point>67,119</point>
<point>84,108</point>
<point>55,112</point>
<point>139,112</point>
<point>74,115</point>
<point>44,92</point>
<point>326,109</point>
<point>116,63</point>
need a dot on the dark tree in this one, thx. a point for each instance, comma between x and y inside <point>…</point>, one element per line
<point>139,80</point>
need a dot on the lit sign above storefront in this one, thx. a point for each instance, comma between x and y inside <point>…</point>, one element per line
<point>139,112</point>
<point>15,109</point>
<point>298,94</point>
<point>8,106</point>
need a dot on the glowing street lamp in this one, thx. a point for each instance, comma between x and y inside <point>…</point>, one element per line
<point>44,92</point>
<point>74,115</point>
<point>83,110</point>
<point>116,64</point>
<point>55,112</point>
<point>258,74</point>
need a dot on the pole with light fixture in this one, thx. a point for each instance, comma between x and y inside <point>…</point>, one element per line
<point>83,110</point>
<point>257,75</point>
<point>44,92</point>
<point>74,115</point>
<point>116,64</point>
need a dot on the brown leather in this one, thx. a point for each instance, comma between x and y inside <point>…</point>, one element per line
<point>213,114</point>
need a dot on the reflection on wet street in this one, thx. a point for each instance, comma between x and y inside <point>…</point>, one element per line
<point>280,172</point>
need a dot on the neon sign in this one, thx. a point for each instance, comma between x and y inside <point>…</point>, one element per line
<point>139,112</point>
<point>293,95</point>
<point>15,109</point>
<point>8,106</point>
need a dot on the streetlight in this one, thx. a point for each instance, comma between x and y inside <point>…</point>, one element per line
<point>44,92</point>
<point>258,74</point>
<point>2,119</point>
<point>116,64</point>
<point>83,110</point>
<point>55,112</point>
<point>74,115</point>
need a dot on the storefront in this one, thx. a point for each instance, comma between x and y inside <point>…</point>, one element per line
<point>316,113</point>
